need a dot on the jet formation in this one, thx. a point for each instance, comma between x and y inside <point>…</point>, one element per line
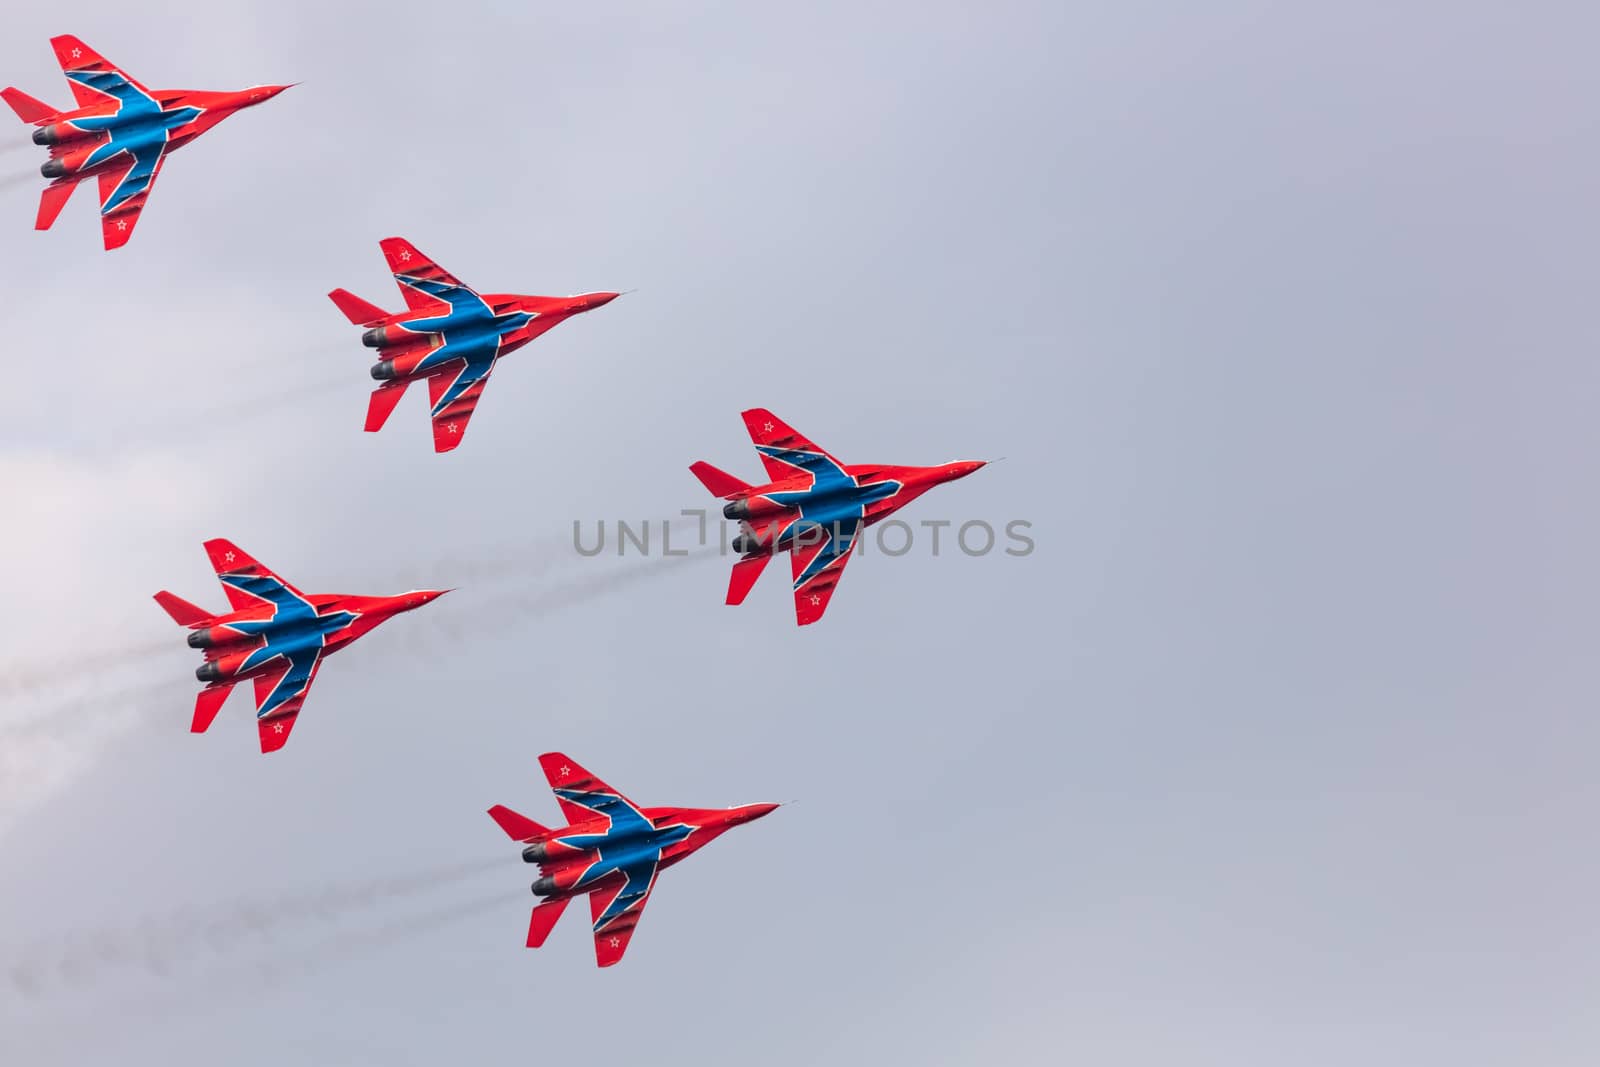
<point>611,850</point>
<point>120,133</point>
<point>448,334</point>
<point>275,636</point>
<point>814,508</point>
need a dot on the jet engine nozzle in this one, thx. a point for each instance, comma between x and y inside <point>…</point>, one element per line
<point>208,672</point>
<point>385,336</point>
<point>201,638</point>
<point>746,543</point>
<point>533,854</point>
<point>383,370</point>
<point>47,135</point>
<point>53,168</point>
<point>544,887</point>
<point>751,507</point>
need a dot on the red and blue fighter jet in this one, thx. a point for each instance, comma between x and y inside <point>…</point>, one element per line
<point>815,508</point>
<point>613,850</point>
<point>448,334</point>
<point>275,635</point>
<point>120,133</point>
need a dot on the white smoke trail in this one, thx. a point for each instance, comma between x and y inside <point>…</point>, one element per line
<point>22,680</point>
<point>248,406</point>
<point>468,617</point>
<point>343,945</point>
<point>189,938</point>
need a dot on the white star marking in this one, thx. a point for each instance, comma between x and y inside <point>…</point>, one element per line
<point>565,770</point>
<point>768,427</point>
<point>405,257</point>
<point>277,727</point>
<point>77,53</point>
<point>228,557</point>
<point>451,427</point>
<point>122,224</point>
<point>815,600</point>
<point>615,941</point>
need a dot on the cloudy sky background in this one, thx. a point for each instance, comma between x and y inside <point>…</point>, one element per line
<point>1279,747</point>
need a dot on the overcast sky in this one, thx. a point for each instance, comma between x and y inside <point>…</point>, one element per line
<point>1279,748</point>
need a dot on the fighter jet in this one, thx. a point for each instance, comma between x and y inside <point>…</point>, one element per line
<point>448,334</point>
<point>815,508</point>
<point>612,851</point>
<point>275,635</point>
<point>120,133</point>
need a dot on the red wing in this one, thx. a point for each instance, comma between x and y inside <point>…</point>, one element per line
<point>74,57</point>
<point>745,573</point>
<point>769,431</point>
<point>543,919</point>
<point>813,591</point>
<point>117,222</point>
<point>382,404</point>
<point>207,703</point>
<point>573,785</point>
<point>404,258</point>
<point>611,939</point>
<point>450,420</point>
<point>229,558</point>
<point>276,726</point>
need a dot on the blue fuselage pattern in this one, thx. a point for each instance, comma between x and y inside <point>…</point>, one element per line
<point>470,331</point>
<point>836,503</point>
<point>139,127</point>
<point>631,846</point>
<point>295,632</point>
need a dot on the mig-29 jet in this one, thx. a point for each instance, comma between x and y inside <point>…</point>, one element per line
<point>815,508</point>
<point>275,635</point>
<point>448,334</point>
<point>612,851</point>
<point>120,133</point>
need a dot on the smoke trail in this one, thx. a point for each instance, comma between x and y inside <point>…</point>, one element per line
<point>8,181</point>
<point>334,949</point>
<point>96,709</point>
<point>186,938</point>
<point>531,558</point>
<point>19,680</point>
<point>253,405</point>
<point>470,617</point>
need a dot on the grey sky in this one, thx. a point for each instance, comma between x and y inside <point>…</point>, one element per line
<point>1279,749</point>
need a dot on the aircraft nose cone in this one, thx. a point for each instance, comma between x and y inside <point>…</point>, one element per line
<point>424,596</point>
<point>262,93</point>
<point>961,470</point>
<point>755,811</point>
<point>599,300</point>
